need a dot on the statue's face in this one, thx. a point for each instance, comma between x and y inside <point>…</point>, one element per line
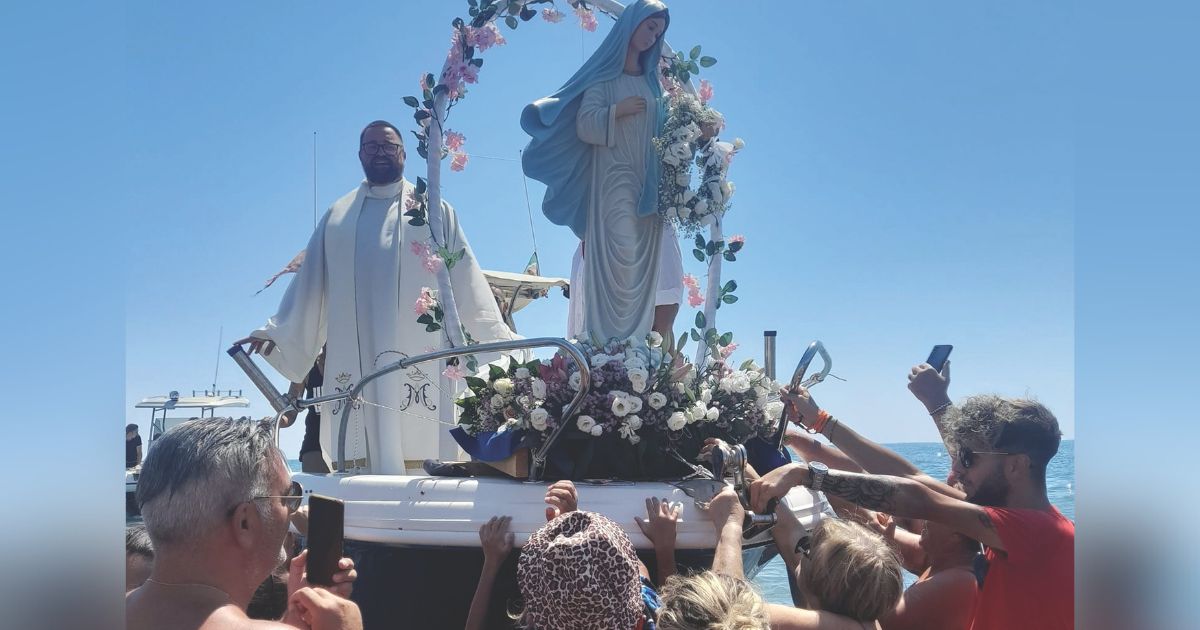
<point>647,33</point>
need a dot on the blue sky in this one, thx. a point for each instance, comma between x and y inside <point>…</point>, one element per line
<point>907,179</point>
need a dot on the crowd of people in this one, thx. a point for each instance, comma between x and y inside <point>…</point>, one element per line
<point>989,549</point>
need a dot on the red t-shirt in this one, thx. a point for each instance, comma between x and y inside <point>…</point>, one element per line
<point>1031,584</point>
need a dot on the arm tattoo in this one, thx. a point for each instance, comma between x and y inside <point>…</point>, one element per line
<point>986,520</point>
<point>874,492</point>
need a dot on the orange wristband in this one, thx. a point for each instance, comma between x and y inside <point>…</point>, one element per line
<point>822,419</point>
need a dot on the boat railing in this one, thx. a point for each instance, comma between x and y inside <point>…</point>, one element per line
<point>284,404</point>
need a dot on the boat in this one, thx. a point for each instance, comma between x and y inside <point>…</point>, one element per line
<point>201,405</point>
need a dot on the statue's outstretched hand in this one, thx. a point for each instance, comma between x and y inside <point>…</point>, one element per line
<point>261,346</point>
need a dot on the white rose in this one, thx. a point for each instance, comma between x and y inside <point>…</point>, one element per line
<point>688,195</point>
<point>658,400</point>
<point>654,339</point>
<point>685,213</point>
<point>681,151</point>
<point>635,404</point>
<point>620,407</point>
<point>497,401</point>
<point>677,421</point>
<point>522,372</point>
<point>672,213</point>
<point>538,388</point>
<point>585,423</point>
<point>682,179</point>
<point>679,388</point>
<point>701,206</point>
<point>538,418</point>
<point>706,395</point>
<point>573,382</point>
<point>773,410</point>
<point>714,191</point>
<point>634,422</point>
<point>599,360</point>
<point>635,363</point>
<point>597,431</point>
<point>713,414</point>
<point>503,386</point>
<point>638,378</point>
<point>671,159</point>
<point>738,144</point>
<point>699,411</point>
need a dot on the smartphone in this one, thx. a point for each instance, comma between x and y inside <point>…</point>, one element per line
<point>325,535</point>
<point>937,358</point>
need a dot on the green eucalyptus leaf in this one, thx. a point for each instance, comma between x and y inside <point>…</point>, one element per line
<point>701,321</point>
<point>729,287</point>
<point>730,257</point>
<point>700,241</point>
<point>693,68</point>
<point>707,61</point>
<point>510,21</point>
<point>412,101</point>
<point>495,372</point>
<point>698,254</point>
<point>432,327</point>
<point>695,52</point>
<point>729,299</point>
<point>695,335</point>
<point>726,339</point>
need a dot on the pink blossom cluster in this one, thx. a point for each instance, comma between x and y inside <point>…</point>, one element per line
<point>695,298</point>
<point>454,143</point>
<point>453,372</point>
<point>737,238</point>
<point>430,259</point>
<point>552,15</point>
<point>587,19</point>
<point>485,37</point>
<point>457,71</point>
<point>426,303</point>
<point>726,351</point>
<point>706,91</point>
<point>458,162</point>
<point>454,140</point>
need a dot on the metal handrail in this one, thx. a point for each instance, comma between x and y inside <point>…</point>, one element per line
<point>539,457</point>
<point>798,380</point>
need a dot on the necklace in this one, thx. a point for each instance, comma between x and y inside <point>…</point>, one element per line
<point>189,585</point>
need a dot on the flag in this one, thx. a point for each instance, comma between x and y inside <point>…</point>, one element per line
<point>531,267</point>
<point>291,267</point>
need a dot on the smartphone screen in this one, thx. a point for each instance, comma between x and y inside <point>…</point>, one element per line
<point>937,358</point>
<point>325,535</point>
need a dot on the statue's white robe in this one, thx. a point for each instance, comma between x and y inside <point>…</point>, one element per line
<point>355,292</point>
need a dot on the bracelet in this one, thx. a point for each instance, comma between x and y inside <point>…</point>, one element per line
<point>822,419</point>
<point>829,435</point>
<point>944,406</point>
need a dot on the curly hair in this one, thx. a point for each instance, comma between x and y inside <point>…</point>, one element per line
<point>1009,425</point>
<point>711,601</point>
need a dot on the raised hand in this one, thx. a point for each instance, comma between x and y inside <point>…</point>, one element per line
<point>723,509</point>
<point>261,346</point>
<point>799,406</point>
<point>561,497</point>
<point>496,540</point>
<point>343,580</point>
<point>660,524</point>
<point>631,105</point>
<point>930,386</point>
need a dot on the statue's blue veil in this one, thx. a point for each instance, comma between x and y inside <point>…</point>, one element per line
<point>557,157</point>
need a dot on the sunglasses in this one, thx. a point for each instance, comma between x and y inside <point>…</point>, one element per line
<point>966,456</point>
<point>291,500</point>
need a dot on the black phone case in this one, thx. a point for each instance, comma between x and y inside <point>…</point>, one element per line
<point>325,535</point>
<point>938,357</point>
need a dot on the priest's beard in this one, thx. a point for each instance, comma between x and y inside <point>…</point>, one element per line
<point>382,170</point>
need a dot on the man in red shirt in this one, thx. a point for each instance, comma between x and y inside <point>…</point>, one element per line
<point>1001,448</point>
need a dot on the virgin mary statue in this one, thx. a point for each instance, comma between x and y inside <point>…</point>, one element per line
<point>592,146</point>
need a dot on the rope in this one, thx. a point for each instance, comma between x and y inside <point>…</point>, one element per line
<point>404,412</point>
<point>528,208</point>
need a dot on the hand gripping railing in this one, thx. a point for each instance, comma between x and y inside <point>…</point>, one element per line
<point>283,404</point>
<point>798,380</point>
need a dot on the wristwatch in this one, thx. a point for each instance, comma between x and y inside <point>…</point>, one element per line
<point>817,472</point>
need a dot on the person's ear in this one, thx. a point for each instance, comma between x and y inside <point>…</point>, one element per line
<point>245,524</point>
<point>1018,466</point>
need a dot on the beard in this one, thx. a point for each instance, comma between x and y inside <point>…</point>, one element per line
<point>992,491</point>
<point>382,170</point>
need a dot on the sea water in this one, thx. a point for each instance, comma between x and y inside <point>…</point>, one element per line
<point>932,459</point>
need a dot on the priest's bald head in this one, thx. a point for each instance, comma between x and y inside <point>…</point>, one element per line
<point>381,152</point>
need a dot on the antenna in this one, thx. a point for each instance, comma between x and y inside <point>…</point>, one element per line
<point>314,180</point>
<point>217,370</point>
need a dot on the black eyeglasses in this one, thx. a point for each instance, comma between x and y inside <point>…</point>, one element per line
<point>966,456</point>
<point>375,148</point>
<point>291,500</point>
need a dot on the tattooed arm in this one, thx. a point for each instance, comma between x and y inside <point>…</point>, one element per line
<point>895,495</point>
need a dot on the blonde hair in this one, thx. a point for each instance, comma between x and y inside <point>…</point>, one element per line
<point>851,571</point>
<point>711,601</point>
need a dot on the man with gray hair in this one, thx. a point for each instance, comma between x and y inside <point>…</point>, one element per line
<point>216,498</point>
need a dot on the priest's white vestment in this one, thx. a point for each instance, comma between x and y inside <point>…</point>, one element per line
<point>355,294</point>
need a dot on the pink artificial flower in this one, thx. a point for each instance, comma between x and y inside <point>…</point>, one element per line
<point>459,162</point>
<point>695,299</point>
<point>737,238</point>
<point>706,91</point>
<point>411,203</point>
<point>690,281</point>
<point>426,302</point>
<point>420,249</point>
<point>454,140</point>
<point>453,372</point>
<point>485,37</point>
<point>431,262</point>
<point>587,19</point>
<point>552,15</point>
<point>728,350</point>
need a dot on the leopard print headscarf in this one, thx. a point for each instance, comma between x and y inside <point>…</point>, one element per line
<point>580,571</point>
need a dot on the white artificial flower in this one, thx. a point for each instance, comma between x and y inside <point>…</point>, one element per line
<point>599,360</point>
<point>634,422</point>
<point>701,206</point>
<point>688,195</point>
<point>538,388</point>
<point>522,372</point>
<point>635,363</point>
<point>573,381</point>
<point>620,406</point>
<point>585,423</point>
<point>681,151</point>
<point>738,144</point>
<point>503,386</point>
<point>685,213</point>
<point>597,431</point>
<point>706,395</point>
<point>679,388</point>
<point>699,411</point>
<point>497,401</point>
<point>671,159</point>
<point>682,179</point>
<point>714,192</point>
<point>713,414</point>
<point>638,378</point>
<point>635,404</point>
<point>634,438</point>
<point>538,418</point>
<point>672,213</point>
<point>677,421</point>
<point>773,410</point>
<point>654,339</point>
<point>658,400</point>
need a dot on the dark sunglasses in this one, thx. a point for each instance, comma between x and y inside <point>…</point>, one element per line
<point>966,456</point>
<point>291,500</point>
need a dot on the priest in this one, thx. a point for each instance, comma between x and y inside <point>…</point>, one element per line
<point>364,270</point>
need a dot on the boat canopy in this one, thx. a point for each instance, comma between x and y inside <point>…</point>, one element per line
<point>519,289</point>
<point>192,402</point>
